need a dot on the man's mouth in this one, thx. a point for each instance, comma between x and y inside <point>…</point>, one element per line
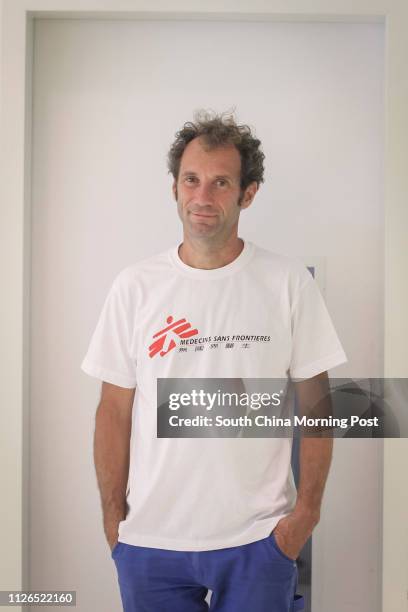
<point>203,215</point>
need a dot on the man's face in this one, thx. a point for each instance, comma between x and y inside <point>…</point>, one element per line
<point>208,190</point>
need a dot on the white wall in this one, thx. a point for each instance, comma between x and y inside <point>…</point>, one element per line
<point>108,97</point>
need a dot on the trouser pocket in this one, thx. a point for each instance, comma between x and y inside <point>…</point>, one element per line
<point>280,552</point>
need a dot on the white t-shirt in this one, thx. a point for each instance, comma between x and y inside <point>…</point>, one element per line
<point>208,493</point>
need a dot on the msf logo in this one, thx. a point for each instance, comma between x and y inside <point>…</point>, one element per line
<point>167,337</point>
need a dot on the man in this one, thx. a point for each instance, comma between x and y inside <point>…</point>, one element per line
<point>208,513</point>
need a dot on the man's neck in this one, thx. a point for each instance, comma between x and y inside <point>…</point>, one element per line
<point>208,256</point>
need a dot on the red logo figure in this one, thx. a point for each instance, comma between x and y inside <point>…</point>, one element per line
<point>167,337</point>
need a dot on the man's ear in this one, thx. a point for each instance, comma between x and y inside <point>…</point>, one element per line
<point>249,194</point>
<point>174,189</point>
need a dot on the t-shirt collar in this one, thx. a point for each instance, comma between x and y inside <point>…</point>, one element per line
<point>215,273</point>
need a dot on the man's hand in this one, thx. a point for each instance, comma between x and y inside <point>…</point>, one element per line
<point>293,531</point>
<point>111,532</point>
<point>112,544</point>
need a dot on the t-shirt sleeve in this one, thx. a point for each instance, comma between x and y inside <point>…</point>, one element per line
<point>315,344</point>
<point>109,353</point>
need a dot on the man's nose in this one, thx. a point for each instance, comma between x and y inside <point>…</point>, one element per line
<point>204,194</point>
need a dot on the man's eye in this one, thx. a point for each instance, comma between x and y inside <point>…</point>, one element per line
<point>190,179</point>
<point>221,182</point>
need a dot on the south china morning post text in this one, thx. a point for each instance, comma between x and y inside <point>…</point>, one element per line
<point>200,410</point>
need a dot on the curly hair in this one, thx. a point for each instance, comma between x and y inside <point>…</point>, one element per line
<point>218,130</point>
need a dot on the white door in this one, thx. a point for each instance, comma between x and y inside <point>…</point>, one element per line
<point>108,98</point>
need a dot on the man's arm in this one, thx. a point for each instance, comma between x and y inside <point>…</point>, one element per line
<point>315,457</point>
<point>313,397</point>
<point>113,423</point>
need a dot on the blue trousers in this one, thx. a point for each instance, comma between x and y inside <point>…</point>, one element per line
<point>255,577</point>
